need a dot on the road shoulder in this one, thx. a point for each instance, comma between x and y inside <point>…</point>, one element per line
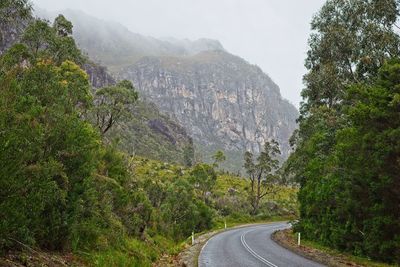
<point>286,239</point>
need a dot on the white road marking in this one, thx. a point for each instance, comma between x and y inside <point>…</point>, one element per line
<point>252,252</point>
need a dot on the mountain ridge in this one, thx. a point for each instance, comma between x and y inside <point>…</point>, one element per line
<point>223,101</point>
<point>117,46</point>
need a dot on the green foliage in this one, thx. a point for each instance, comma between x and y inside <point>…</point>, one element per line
<point>262,173</point>
<point>62,26</point>
<point>203,178</point>
<point>113,104</point>
<point>54,42</point>
<point>188,155</point>
<point>148,133</point>
<point>64,188</point>
<point>350,41</point>
<point>12,9</point>
<point>47,154</point>
<point>373,136</point>
<point>346,157</point>
<point>177,210</point>
<point>218,157</point>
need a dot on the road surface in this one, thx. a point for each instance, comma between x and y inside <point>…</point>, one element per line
<point>250,246</point>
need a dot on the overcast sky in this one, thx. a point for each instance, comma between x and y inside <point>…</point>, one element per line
<point>269,33</point>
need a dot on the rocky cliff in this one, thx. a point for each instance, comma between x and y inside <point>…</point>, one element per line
<point>149,133</point>
<point>222,100</point>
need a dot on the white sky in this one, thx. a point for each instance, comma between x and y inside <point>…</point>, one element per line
<point>269,33</point>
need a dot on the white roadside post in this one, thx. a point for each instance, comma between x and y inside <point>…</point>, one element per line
<point>298,239</point>
<point>225,224</point>
<point>192,238</point>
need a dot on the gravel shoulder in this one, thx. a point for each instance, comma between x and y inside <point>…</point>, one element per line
<point>331,258</point>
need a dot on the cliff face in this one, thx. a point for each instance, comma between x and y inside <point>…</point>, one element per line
<point>149,133</point>
<point>98,75</point>
<point>223,101</point>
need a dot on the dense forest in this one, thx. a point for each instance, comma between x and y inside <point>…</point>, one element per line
<point>65,187</point>
<point>68,186</point>
<point>347,148</point>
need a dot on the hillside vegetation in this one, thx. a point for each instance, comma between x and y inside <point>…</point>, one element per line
<point>68,189</point>
<point>149,133</point>
<point>222,101</point>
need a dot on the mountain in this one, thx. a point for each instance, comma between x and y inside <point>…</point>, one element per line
<point>154,135</point>
<point>223,101</point>
<point>149,133</point>
<point>113,45</point>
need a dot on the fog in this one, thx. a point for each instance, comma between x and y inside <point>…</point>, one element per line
<point>272,34</point>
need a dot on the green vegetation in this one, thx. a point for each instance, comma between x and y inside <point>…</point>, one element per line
<point>262,173</point>
<point>112,104</point>
<point>346,157</point>
<point>147,132</point>
<point>323,254</point>
<point>229,195</point>
<point>65,187</point>
<point>356,259</point>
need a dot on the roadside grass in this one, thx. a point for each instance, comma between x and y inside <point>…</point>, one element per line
<point>356,259</point>
<point>133,252</point>
<point>136,252</point>
<point>360,261</point>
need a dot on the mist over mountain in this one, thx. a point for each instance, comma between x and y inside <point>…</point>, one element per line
<point>220,99</point>
<point>113,45</point>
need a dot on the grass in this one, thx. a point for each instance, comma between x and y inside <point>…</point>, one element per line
<point>136,252</point>
<point>346,256</point>
<point>133,252</point>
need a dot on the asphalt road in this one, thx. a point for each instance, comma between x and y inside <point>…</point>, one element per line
<point>250,246</point>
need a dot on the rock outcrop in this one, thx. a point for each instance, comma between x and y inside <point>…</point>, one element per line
<point>98,75</point>
<point>223,101</point>
<point>149,133</point>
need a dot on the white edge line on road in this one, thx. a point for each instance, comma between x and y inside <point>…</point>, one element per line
<point>231,229</point>
<point>252,252</point>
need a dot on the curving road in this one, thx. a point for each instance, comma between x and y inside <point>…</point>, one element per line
<point>250,246</point>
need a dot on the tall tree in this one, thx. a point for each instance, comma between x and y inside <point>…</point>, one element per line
<point>47,153</point>
<point>54,42</point>
<point>203,177</point>
<point>372,138</point>
<point>351,41</point>
<point>113,104</point>
<point>261,171</point>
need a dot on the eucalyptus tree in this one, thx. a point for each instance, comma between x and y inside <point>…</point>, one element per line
<point>350,42</point>
<point>112,104</point>
<point>262,173</point>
